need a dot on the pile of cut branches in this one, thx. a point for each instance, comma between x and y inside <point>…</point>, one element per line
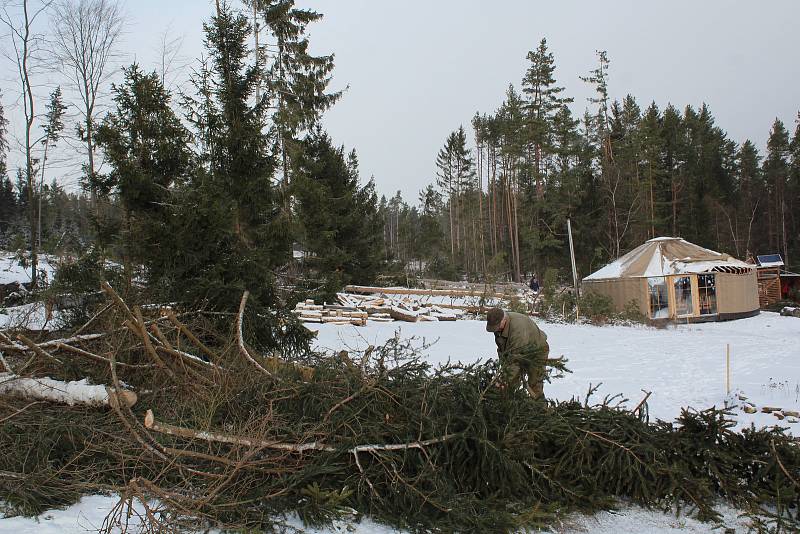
<point>194,428</point>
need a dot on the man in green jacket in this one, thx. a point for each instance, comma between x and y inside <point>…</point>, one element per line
<point>522,348</point>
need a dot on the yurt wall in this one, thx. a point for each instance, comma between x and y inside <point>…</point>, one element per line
<point>737,293</point>
<point>621,291</point>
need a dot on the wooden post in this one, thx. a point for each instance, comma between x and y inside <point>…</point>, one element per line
<point>728,368</point>
<point>572,257</point>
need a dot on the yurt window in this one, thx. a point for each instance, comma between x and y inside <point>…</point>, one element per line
<point>707,288</point>
<point>659,298</point>
<point>684,303</point>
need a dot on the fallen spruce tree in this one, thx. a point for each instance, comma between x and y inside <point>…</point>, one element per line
<point>221,435</point>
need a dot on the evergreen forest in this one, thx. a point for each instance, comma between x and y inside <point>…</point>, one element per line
<point>231,180</point>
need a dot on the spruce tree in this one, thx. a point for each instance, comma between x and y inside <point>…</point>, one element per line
<point>543,101</point>
<point>674,154</point>
<point>341,228</point>
<point>8,205</point>
<point>455,175</point>
<point>750,192</point>
<point>653,169</point>
<point>147,148</point>
<point>230,237</point>
<point>431,240</point>
<point>793,197</point>
<point>53,127</point>
<point>296,80</point>
<point>776,176</point>
<point>227,235</point>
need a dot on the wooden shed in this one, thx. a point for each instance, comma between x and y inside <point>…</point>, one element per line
<point>769,279</point>
<point>670,278</point>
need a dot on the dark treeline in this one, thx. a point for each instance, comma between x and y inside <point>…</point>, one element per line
<point>623,173</point>
<point>64,225</point>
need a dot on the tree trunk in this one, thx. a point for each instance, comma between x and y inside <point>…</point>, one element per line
<point>480,210</point>
<point>652,205</point>
<point>30,115</point>
<point>517,273</point>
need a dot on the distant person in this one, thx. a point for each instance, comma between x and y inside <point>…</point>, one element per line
<point>522,349</point>
<point>534,284</point>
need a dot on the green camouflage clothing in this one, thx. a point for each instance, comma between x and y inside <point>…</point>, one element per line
<point>522,348</point>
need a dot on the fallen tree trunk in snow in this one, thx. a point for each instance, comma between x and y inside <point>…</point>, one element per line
<point>71,393</point>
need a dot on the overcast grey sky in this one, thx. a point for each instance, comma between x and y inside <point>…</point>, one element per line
<point>417,70</point>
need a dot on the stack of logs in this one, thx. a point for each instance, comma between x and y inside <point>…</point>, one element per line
<point>308,312</point>
<point>356,309</point>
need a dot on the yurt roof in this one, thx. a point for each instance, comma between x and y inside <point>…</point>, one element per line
<point>664,256</point>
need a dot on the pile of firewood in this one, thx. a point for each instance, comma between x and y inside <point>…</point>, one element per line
<point>356,310</point>
<point>308,312</point>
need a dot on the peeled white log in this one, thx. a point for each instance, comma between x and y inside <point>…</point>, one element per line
<point>71,393</point>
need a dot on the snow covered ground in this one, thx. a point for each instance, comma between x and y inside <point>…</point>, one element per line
<point>11,271</point>
<point>33,316</point>
<point>682,365</point>
<point>88,516</point>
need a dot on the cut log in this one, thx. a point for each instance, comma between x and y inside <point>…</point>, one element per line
<point>378,309</point>
<point>316,307</point>
<point>307,313</point>
<point>70,393</point>
<point>400,314</point>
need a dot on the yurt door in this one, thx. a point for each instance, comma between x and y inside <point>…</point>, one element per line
<point>683,294</point>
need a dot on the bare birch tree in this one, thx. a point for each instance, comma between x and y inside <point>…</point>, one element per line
<point>20,19</point>
<point>171,63</point>
<point>85,33</point>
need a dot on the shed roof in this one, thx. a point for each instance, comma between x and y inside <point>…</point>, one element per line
<point>664,256</point>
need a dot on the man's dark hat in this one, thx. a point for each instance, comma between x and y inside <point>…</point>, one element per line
<point>493,319</point>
